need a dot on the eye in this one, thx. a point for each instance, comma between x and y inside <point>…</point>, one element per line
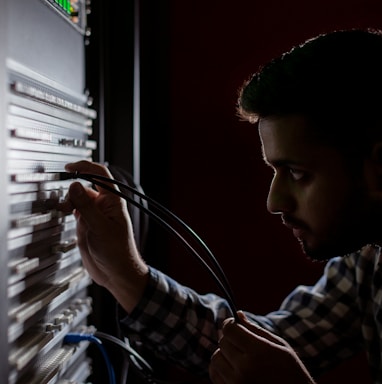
<point>297,174</point>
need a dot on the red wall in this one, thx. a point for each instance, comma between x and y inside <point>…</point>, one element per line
<point>218,180</point>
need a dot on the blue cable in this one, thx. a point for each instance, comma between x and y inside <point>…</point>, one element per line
<point>75,338</point>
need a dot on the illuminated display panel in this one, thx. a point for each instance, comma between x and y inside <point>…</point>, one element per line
<point>73,10</point>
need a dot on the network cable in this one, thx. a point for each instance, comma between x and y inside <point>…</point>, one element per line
<point>222,281</point>
<point>141,365</point>
<point>75,338</point>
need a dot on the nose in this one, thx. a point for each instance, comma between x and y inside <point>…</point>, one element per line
<point>280,199</point>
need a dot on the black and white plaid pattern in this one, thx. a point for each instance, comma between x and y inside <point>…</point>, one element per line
<point>326,323</point>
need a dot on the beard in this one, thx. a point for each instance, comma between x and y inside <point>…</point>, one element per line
<point>324,252</point>
<point>358,226</point>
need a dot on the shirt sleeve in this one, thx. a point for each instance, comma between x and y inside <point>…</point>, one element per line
<point>322,322</point>
<point>184,326</point>
<point>175,322</point>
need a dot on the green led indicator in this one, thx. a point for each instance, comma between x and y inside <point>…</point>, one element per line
<point>68,6</point>
<point>65,5</point>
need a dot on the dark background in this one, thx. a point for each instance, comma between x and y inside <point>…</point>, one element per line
<point>197,157</point>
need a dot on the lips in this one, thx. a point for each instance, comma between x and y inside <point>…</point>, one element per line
<point>294,225</point>
<point>298,232</point>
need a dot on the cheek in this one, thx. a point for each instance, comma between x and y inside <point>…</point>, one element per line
<point>336,207</point>
<point>325,204</point>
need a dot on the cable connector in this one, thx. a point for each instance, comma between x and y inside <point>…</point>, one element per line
<point>68,175</point>
<point>75,338</point>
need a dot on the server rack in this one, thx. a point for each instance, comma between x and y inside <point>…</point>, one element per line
<point>46,121</point>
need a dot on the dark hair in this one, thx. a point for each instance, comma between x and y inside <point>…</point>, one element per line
<point>334,79</point>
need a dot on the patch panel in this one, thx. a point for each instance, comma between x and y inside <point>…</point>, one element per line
<point>46,122</point>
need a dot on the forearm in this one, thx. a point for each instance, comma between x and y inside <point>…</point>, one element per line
<point>176,322</point>
<point>128,290</point>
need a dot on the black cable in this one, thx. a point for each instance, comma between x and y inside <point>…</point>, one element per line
<point>92,178</point>
<point>142,367</point>
<point>172,230</point>
<point>125,369</point>
<point>171,215</point>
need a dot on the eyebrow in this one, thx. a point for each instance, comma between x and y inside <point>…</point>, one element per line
<point>280,162</point>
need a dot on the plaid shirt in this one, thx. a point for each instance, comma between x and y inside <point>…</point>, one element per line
<point>326,323</point>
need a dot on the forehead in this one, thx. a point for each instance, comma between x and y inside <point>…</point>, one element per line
<point>287,137</point>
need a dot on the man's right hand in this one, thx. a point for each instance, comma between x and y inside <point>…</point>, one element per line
<point>105,237</point>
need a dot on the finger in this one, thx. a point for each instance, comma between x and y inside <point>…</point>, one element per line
<point>216,377</point>
<point>229,350</point>
<point>220,368</point>
<point>259,331</point>
<point>84,166</point>
<point>236,334</point>
<point>67,206</point>
<point>84,204</point>
<point>247,338</point>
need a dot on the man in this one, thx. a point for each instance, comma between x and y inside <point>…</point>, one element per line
<point>318,112</point>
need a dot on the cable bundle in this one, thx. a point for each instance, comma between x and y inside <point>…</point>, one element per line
<point>142,367</point>
<point>164,213</point>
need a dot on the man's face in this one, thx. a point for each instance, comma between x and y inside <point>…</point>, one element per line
<point>324,204</point>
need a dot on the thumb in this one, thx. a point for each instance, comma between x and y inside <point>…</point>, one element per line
<point>259,331</point>
<point>82,201</point>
